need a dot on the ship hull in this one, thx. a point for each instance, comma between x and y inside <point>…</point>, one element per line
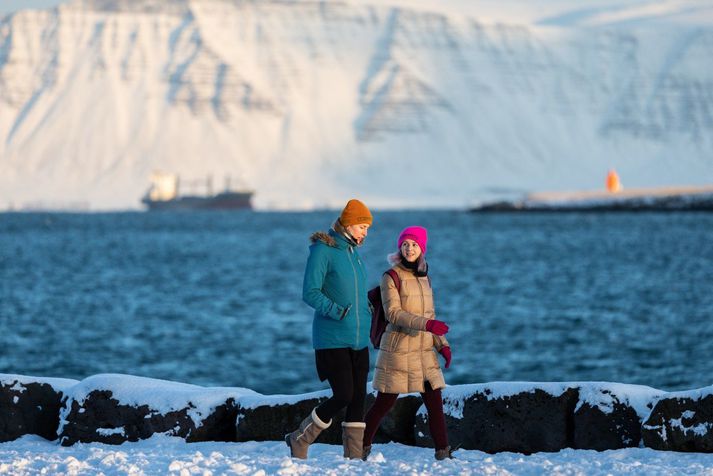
<point>222,201</point>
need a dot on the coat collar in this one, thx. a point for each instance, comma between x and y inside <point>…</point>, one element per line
<point>341,241</point>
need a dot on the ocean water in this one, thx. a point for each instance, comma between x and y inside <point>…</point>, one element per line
<point>215,298</point>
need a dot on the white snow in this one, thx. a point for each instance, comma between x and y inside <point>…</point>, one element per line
<point>256,400</point>
<point>163,455</point>
<point>701,429</point>
<point>601,395</point>
<point>111,431</point>
<point>311,103</point>
<point>697,394</point>
<point>19,381</point>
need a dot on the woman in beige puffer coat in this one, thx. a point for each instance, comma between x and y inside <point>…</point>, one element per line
<point>407,359</point>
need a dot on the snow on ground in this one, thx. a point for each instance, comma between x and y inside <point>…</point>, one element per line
<point>166,455</point>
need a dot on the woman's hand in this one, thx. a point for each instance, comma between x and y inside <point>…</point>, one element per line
<point>446,353</point>
<point>345,312</point>
<point>436,327</point>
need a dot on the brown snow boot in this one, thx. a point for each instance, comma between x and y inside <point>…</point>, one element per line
<point>366,453</point>
<point>308,431</point>
<point>353,439</point>
<point>445,453</point>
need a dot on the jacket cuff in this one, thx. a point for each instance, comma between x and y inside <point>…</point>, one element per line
<point>440,342</point>
<point>338,312</point>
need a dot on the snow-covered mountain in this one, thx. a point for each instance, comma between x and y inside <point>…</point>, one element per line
<point>400,102</point>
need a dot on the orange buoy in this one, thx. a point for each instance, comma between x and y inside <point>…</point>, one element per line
<point>613,183</point>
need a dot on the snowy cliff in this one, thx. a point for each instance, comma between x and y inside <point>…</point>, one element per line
<point>404,103</point>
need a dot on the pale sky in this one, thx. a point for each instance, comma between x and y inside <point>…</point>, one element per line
<point>13,5</point>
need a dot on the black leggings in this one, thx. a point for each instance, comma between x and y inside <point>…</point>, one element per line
<point>346,370</point>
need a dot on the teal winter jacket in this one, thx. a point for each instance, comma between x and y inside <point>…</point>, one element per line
<point>335,279</point>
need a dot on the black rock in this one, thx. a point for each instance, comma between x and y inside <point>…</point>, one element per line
<point>595,429</point>
<point>526,422</point>
<point>271,420</point>
<point>28,408</point>
<point>680,423</point>
<point>102,418</point>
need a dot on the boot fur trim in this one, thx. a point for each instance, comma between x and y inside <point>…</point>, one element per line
<point>353,424</point>
<point>320,424</point>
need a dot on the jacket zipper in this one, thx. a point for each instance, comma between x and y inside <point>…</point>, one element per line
<point>423,306</point>
<point>356,293</point>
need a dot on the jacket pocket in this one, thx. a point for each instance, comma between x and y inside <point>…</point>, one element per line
<point>390,341</point>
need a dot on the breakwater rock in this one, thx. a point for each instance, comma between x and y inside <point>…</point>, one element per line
<point>662,199</point>
<point>523,417</point>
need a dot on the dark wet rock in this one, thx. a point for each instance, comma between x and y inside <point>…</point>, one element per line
<point>616,427</point>
<point>525,422</point>
<point>99,417</point>
<point>681,423</point>
<point>219,425</point>
<point>268,418</point>
<point>28,408</point>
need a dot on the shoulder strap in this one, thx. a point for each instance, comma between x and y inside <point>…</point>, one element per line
<point>395,276</point>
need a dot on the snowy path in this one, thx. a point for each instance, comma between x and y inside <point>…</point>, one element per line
<point>164,455</point>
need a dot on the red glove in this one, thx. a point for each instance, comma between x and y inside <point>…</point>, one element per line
<point>446,353</point>
<point>438,328</point>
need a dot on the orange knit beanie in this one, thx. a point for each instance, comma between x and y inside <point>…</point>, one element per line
<point>355,213</point>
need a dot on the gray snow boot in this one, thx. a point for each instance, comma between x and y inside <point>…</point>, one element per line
<point>353,439</point>
<point>308,431</point>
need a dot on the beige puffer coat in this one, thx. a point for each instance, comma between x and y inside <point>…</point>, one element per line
<point>407,352</point>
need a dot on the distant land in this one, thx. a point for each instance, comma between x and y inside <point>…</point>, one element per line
<point>641,199</point>
<point>402,103</point>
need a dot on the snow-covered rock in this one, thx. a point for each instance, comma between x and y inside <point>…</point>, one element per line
<point>681,421</point>
<point>609,415</point>
<point>518,417</point>
<point>525,417</point>
<point>111,408</point>
<point>529,417</point>
<point>270,417</point>
<point>30,405</point>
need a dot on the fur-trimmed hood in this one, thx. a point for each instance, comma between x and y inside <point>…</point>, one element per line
<point>324,237</point>
<point>329,238</point>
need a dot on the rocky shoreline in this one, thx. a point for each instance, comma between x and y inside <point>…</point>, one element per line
<point>524,417</point>
<point>698,199</point>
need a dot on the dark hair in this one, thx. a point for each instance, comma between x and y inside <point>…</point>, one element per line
<point>421,265</point>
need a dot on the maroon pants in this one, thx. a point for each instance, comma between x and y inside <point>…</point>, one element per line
<point>434,406</point>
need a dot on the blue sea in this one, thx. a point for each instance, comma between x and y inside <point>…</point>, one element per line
<point>214,298</point>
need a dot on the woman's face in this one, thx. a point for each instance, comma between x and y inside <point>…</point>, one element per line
<point>358,232</point>
<point>410,250</point>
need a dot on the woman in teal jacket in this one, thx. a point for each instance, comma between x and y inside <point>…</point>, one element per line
<point>335,286</point>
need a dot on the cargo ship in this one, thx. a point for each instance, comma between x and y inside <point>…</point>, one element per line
<point>164,194</point>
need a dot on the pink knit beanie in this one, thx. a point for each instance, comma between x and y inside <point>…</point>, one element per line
<point>416,233</point>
